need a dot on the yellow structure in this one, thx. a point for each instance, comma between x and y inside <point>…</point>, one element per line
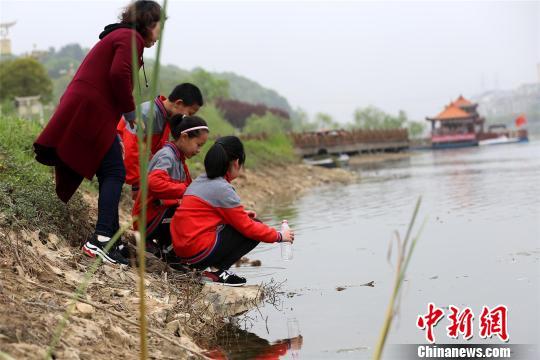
<point>5,42</point>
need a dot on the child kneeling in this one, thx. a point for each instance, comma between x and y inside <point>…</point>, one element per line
<point>168,178</point>
<point>211,227</point>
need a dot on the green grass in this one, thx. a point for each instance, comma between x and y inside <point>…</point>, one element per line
<point>276,150</point>
<point>27,196</point>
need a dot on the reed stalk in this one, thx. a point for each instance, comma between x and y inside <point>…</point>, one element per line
<point>81,290</point>
<point>405,251</point>
<point>145,146</point>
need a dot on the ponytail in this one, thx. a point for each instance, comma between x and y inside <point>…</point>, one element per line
<point>224,151</point>
<point>191,125</point>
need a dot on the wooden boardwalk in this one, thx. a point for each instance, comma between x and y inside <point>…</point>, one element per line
<point>350,142</point>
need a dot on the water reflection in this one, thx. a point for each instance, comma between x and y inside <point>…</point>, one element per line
<point>235,343</point>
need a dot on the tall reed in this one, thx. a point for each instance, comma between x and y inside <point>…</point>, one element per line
<point>145,146</point>
<point>81,290</point>
<point>405,251</point>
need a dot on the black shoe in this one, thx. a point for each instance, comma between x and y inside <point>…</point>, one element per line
<point>153,248</point>
<point>223,277</point>
<point>167,255</point>
<point>174,262</point>
<point>125,250</point>
<point>95,247</point>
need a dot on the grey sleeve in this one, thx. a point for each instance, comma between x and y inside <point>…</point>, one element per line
<point>131,116</point>
<point>144,112</point>
<point>162,161</point>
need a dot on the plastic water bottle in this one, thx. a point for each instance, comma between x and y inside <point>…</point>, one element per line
<point>293,330</point>
<point>286,247</point>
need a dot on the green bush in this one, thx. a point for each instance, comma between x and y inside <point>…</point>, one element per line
<point>276,149</point>
<point>267,124</point>
<point>24,77</point>
<point>27,195</point>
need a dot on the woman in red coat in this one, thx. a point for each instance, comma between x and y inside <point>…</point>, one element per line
<point>80,140</point>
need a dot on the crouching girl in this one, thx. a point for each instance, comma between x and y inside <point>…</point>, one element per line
<point>168,178</point>
<point>211,228</point>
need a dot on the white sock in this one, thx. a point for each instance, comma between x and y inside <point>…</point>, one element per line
<point>102,238</point>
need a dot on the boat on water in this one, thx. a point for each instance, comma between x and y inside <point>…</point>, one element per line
<point>498,134</point>
<point>328,161</point>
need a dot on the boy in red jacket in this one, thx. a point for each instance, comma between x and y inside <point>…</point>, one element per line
<point>185,99</point>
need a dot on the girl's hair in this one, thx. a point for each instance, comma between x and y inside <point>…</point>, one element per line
<point>225,150</point>
<point>143,14</point>
<point>180,123</point>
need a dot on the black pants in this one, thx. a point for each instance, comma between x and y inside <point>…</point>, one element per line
<point>230,247</point>
<point>159,241</point>
<point>111,175</point>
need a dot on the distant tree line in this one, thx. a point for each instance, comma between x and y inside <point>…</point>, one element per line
<point>367,118</point>
<point>49,77</point>
<point>237,112</point>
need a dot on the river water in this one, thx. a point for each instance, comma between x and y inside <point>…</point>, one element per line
<point>480,246</point>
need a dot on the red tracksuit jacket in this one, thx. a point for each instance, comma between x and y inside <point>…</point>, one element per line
<point>168,178</point>
<point>160,135</point>
<point>207,205</point>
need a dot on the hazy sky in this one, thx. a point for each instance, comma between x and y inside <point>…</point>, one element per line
<point>324,56</point>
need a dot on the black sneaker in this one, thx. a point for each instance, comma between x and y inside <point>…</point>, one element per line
<point>174,262</point>
<point>223,277</point>
<point>125,250</point>
<point>95,247</point>
<point>168,256</point>
<point>153,248</point>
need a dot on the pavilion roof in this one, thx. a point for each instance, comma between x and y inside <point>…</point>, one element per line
<point>452,111</point>
<point>462,102</point>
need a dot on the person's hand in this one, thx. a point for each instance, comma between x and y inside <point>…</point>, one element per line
<point>131,124</point>
<point>251,214</point>
<point>288,236</point>
<point>296,342</point>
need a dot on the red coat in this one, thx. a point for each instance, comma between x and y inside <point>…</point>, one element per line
<point>83,126</point>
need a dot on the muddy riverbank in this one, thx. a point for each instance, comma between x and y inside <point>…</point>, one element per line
<point>39,271</point>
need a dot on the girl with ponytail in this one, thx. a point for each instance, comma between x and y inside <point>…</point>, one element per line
<point>211,228</point>
<point>168,178</point>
